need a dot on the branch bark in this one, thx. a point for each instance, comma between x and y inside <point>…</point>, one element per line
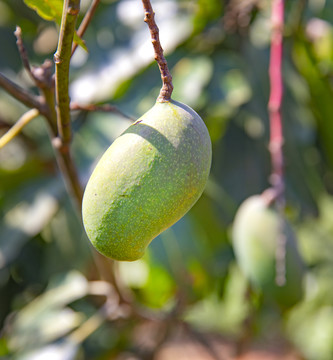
<point>22,95</point>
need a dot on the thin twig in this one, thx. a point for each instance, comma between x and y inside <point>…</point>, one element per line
<point>167,88</point>
<point>45,105</point>
<point>275,100</point>
<point>62,60</point>
<point>22,50</point>
<point>41,75</point>
<point>18,126</point>
<point>43,78</point>
<point>85,22</point>
<point>276,134</point>
<point>22,95</point>
<point>101,108</point>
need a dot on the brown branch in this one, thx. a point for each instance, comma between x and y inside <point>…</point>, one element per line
<point>46,106</point>
<point>41,75</point>
<point>22,95</point>
<point>85,22</point>
<point>22,50</point>
<point>167,87</point>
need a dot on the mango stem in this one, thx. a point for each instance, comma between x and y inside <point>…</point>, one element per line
<point>167,87</point>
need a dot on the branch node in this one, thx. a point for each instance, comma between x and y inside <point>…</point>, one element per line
<point>57,59</point>
<point>59,145</point>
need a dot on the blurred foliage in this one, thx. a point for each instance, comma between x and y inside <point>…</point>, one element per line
<point>218,53</point>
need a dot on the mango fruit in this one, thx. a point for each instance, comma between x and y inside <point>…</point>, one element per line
<point>256,230</point>
<point>149,177</point>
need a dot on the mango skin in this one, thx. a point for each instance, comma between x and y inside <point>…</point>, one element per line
<point>149,177</point>
<point>255,234</point>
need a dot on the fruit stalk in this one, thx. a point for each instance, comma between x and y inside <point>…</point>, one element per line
<point>167,87</point>
<point>275,99</point>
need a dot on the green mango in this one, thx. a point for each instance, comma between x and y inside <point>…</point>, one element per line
<point>256,231</point>
<point>149,177</point>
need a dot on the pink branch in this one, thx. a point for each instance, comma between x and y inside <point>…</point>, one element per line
<point>167,87</point>
<point>275,99</point>
<point>276,135</point>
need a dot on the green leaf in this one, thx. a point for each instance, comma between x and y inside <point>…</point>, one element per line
<point>80,42</point>
<point>50,10</point>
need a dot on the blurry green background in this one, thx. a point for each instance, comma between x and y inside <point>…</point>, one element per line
<point>218,53</point>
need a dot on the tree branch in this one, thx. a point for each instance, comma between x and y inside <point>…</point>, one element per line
<point>275,99</point>
<point>276,134</point>
<point>167,88</point>
<point>102,108</point>
<point>22,95</point>
<point>22,50</point>
<point>62,60</point>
